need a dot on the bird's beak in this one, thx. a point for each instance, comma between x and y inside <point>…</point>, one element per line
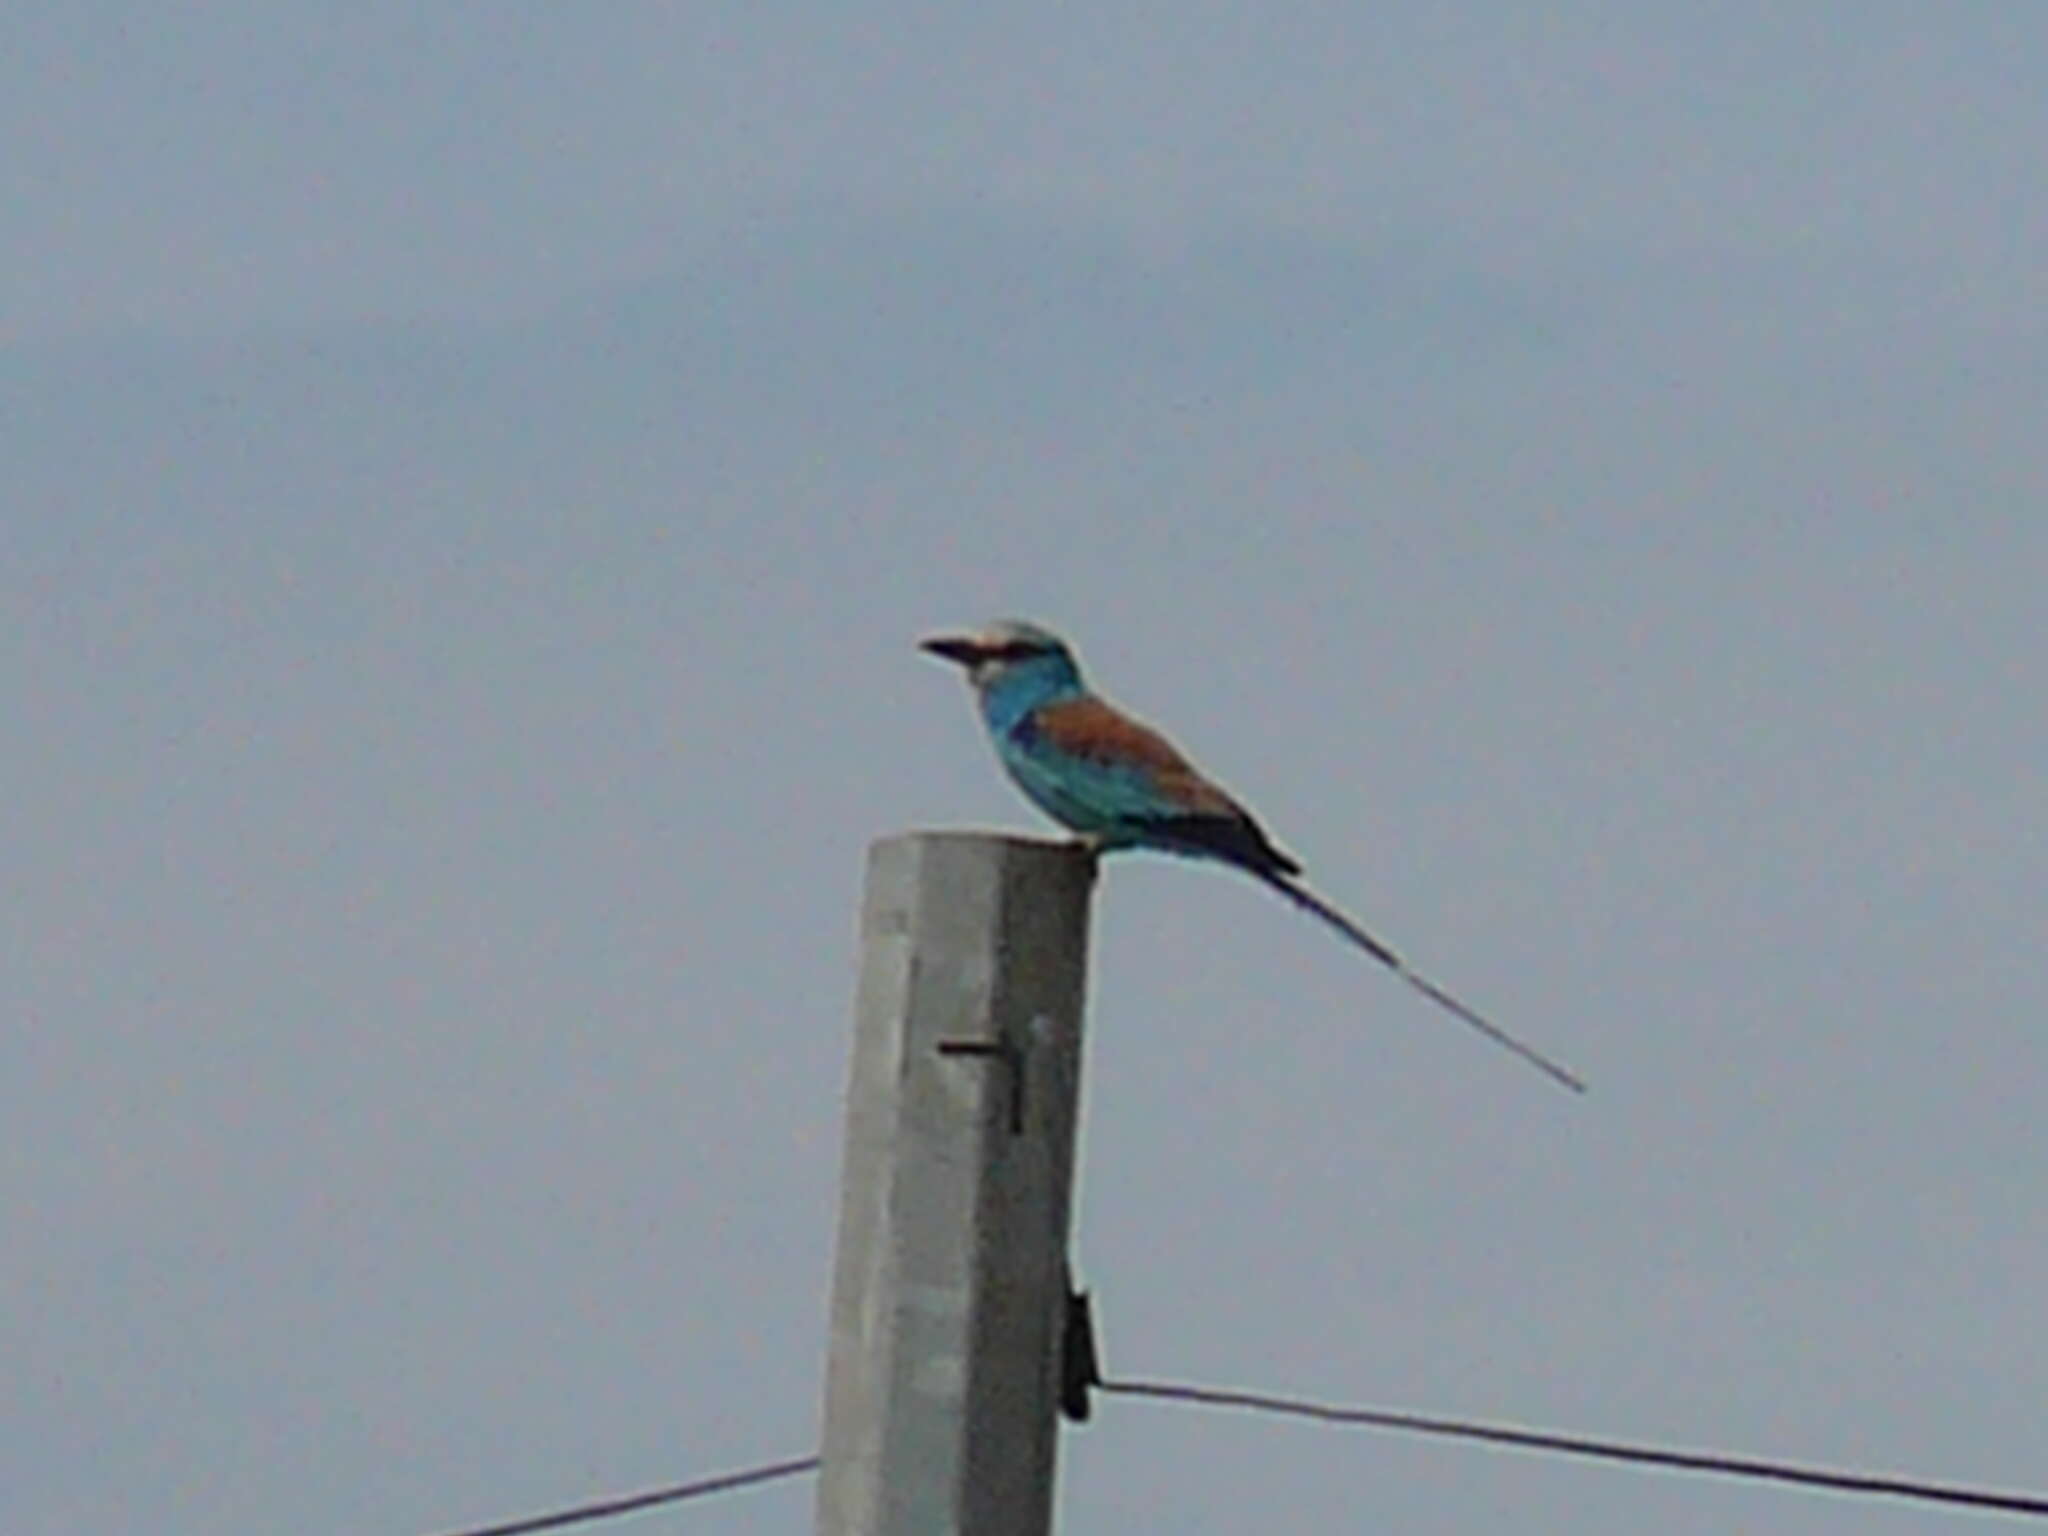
<point>963,650</point>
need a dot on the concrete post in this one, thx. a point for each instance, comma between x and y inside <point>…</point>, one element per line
<point>949,1291</point>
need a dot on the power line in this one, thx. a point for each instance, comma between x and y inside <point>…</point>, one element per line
<point>1747,1467</point>
<point>1711,1463</point>
<point>606,1509</point>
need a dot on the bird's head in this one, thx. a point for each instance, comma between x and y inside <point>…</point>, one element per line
<point>1009,651</point>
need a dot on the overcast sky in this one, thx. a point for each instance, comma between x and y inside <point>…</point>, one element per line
<point>472,483</point>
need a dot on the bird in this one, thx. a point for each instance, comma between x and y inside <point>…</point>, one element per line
<point>1119,784</point>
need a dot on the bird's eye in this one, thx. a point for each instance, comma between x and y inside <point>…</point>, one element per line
<point>1017,650</point>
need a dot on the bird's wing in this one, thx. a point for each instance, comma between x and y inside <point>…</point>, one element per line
<point>1136,778</point>
<point>1090,730</point>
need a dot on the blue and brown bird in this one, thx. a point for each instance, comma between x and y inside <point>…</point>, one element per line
<point>1120,784</point>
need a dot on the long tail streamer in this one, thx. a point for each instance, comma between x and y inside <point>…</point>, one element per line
<point>1308,901</point>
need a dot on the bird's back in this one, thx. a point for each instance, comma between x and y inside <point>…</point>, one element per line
<point>1097,770</point>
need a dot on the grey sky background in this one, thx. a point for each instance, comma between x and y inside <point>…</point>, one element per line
<point>472,483</point>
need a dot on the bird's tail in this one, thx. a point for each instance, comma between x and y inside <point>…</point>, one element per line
<point>1308,901</point>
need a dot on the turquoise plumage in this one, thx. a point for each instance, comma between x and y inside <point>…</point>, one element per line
<point>1120,784</point>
